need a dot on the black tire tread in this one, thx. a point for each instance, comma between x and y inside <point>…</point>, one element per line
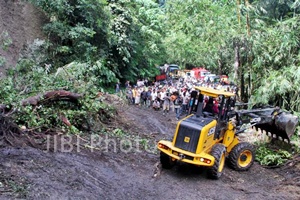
<point>166,161</point>
<point>235,154</point>
<point>217,151</point>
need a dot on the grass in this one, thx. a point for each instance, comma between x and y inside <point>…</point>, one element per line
<point>13,186</point>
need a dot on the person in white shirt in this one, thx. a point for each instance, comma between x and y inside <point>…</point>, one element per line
<point>162,94</point>
<point>166,104</point>
<point>156,104</point>
<point>153,95</point>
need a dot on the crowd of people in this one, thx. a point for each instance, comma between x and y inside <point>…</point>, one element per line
<point>170,96</point>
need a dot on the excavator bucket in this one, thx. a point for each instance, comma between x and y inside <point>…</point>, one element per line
<point>277,123</point>
<point>283,126</point>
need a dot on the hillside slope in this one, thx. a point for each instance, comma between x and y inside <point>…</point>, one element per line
<point>23,22</point>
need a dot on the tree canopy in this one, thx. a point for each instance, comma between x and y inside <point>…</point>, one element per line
<point>256,42</point>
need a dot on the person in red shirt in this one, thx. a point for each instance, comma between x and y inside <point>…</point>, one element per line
<point>216,107</point>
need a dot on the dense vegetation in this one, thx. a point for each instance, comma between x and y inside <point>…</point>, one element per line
<point>124,36</point>
<point>92,44</point>
<point>256,42</point>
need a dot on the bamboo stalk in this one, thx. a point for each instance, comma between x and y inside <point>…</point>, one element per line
<point>248,18</point>
<point>238,11</point>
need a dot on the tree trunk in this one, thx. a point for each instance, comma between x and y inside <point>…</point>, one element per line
<point>243,96</point>
<point>248,18</point>
<point>249,84</point>
<point>236,63</point>
<point>220,66</point>
<point>238,10</point>
<point>58,95</point>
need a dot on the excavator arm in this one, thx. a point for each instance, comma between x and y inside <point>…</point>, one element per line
<point>276,122</point>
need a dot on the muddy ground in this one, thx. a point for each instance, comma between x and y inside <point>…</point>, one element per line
<point>133,172</point>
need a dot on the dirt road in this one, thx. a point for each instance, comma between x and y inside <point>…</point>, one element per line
<point>39,174</point>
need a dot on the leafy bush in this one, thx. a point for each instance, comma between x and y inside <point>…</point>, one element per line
<point>2,61</point>
<point>126,36</point>
<point>5,40</point>
<point>28,79</point>
<point>82,117</point>
<point>268,157</point>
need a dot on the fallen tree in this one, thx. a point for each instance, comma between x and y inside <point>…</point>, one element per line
<point>52,112</point>
<point>58,95</point>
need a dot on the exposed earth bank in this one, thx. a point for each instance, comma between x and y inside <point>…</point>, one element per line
<point>20,23</point>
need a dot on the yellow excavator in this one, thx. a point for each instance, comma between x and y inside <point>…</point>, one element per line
<point>207,136</point>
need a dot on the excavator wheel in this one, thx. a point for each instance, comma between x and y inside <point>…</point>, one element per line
<point>218,152</point>
<point>241,157</point>
<point>166,161</point>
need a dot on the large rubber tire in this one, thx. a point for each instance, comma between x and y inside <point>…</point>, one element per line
<point>241,157</point>
<point>218,152</point>
<point>166,161</point>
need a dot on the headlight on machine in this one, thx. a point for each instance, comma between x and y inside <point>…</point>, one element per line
<point>162,146</point>
<point>204,160</point>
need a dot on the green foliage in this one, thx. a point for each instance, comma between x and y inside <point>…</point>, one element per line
<point>275,48</point>
<point>85,76</point>
<point>295,139</point>
<point>5,40</point>
<point>34,54</point>
<point>125,35</point>
<point>2,61</point>
<point>82,117</point>
<point>137,33</point>
<point>280,88</point>
<point>8,94</point>
<point>119,132</point>
<point>78,30</point>
<point>268,157</point>
<point>30,80</point>
<point>198,30</point>
<point>19,188</point>
<point>206,33</point>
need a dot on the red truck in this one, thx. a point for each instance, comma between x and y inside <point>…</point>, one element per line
<point>161,77</point>
<point>199,73</point>
<point>167,71</point>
